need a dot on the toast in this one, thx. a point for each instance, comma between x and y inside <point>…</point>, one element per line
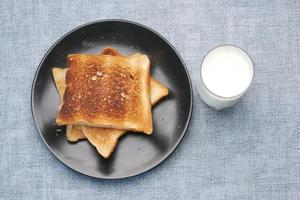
<point>107,91</point>
<point>103,139</point>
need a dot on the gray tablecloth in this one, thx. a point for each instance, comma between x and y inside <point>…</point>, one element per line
<point>249,152</point>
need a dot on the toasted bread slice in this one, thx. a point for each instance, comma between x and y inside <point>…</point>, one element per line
<point>103,139</point>
<point>107,91</point>
<point>74,132</point>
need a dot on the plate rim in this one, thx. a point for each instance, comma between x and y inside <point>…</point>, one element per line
<point>152,166</point>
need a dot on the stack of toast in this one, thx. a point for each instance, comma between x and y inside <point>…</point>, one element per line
<point>104,96</point>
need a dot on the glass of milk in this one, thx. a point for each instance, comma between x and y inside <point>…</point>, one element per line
<point>226,73</point>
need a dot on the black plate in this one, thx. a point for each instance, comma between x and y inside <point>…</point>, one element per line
<point>135,153</point>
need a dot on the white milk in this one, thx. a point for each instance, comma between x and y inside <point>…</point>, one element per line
<point>226,74</point>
